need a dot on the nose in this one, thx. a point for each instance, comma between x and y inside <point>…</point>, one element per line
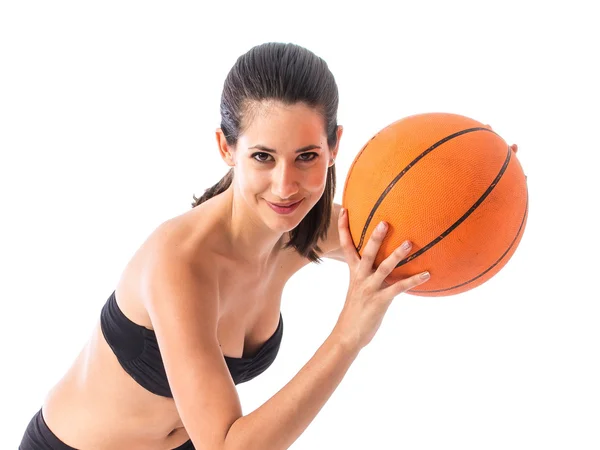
<point>285,182</point>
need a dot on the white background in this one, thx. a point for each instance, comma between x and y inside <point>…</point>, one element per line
<point>107,119</point>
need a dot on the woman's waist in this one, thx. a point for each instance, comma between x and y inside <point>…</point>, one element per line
<point>83,420</point>
<point>96,397</point>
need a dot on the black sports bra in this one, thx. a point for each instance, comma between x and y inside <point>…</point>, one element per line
<point>136,348</point>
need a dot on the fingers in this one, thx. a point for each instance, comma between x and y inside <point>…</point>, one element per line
<point>389,264</point>
<point>405,284</point>
<point>366,262</point>
<point>346,243</point>
<point>370,251</point>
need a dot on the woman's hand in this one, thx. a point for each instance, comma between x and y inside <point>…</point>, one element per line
<point>369,296</point>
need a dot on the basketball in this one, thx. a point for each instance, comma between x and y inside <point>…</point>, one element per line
<point>450,185</point>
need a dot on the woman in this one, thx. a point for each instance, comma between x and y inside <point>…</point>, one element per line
<point>197,309</point>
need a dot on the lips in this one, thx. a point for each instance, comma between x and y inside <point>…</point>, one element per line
<point>284,205</point>
<point>284,208</point>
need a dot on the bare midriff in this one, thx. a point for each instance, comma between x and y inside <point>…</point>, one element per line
<point>98,405</point>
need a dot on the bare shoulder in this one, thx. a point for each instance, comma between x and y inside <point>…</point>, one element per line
<point>172,246</point>
<point>171,261</point>
<point>175,290</point>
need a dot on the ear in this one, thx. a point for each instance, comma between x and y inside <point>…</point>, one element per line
<point>224,149</point>
<point>334,151</point>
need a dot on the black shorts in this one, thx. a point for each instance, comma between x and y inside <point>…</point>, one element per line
<point>39,437</point>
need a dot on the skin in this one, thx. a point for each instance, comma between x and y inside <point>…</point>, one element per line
<point>209,282</point>
<point>268,168</point>
<point>234,236</point>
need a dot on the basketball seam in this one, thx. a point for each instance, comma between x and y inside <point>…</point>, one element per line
<point>464,216</point>
<point>406,169</point>
<point>493,265</point>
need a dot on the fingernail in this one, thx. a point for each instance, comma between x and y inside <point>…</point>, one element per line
<point>405,245</point>
<point>424,275</point>
<point>342,211</point>
<point>382,226</point>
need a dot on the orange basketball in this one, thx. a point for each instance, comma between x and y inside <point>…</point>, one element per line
<point>450,185</point>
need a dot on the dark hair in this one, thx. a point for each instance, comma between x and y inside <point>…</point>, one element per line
<point>290,74</point>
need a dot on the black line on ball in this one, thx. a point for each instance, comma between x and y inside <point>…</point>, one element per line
<point>406,169</point>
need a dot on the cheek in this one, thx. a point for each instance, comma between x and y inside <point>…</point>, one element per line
<point>315,180</point>
<point>252,180</point>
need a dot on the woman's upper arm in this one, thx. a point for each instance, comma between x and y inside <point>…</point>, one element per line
<point>183,308</point>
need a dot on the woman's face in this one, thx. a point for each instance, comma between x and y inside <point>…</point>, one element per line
<point>281,161</point>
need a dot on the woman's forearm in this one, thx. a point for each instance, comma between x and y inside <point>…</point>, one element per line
<point>277,423</point>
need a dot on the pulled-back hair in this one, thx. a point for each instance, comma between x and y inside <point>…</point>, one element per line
<point>290,74</point>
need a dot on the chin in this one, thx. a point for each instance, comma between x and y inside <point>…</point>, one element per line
<point>285,224</point>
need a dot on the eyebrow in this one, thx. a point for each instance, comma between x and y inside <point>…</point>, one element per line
<point>270,150</point>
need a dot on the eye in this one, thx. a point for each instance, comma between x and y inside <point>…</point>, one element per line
<point>261,156</point>
<point>306,157</point>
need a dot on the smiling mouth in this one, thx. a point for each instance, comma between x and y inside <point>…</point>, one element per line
<point>284,205</point>
<point>285,208</point>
